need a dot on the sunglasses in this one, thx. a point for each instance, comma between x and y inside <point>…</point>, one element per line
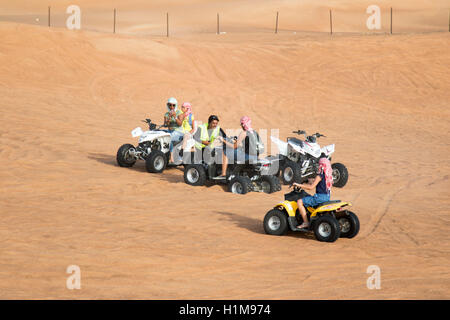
<point>170,105</point>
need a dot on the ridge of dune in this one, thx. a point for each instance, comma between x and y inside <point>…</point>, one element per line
<point>68,100</point>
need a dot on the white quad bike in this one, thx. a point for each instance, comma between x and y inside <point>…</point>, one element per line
<point>153,148</point>
<point>299,160</point>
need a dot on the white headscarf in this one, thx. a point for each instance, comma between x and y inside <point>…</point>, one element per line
<point>172,101</point>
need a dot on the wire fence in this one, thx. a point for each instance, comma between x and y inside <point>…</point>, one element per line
<point>330,21</point>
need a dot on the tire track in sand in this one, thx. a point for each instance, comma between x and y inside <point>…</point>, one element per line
<point>384,207</point>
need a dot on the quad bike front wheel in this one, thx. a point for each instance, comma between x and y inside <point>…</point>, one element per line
<point>349,224</point>
<point>156,162</point>
<point>291,172</point>
<point>123,157</point>
<point>275,222</point>
<point>240,185</point>
<point>194,175</point>
<point>270,184</point>
<point>326,228</point>
<point>340,175</point>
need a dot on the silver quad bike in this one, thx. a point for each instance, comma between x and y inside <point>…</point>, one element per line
<point>299,159</point>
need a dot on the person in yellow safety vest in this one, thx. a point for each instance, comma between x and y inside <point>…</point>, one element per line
<point>207,133</point>
<point>187,124</point>
<point>186,119</point>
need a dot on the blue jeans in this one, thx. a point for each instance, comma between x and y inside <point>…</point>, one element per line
<point>318,198</point>
<point>175,136</point>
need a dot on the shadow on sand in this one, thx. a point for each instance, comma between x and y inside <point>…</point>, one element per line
<point>170,174</point>
<point>256,225</point>
<point>104,158</point>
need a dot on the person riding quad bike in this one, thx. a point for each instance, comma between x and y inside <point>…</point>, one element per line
<point>322,183</point>
<point>301,212</point>
<point>328,220</point>
<point>246,147</point>
<point>172,122</point>
<point>242,176</point>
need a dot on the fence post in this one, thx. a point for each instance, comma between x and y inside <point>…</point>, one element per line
<point>49,16</point>
<point>218,25</point>
<point>276,24</point>
<point>391,20</point>
<point>331,23</point>
<point>167,22</point>
<point>114,28</point>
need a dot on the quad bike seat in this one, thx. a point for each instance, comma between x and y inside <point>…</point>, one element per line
<point>296,141</point>
<point>326,202</point>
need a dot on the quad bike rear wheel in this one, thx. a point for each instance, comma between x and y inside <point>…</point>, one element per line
<point>275,222</point>
<point>156,162</point>
<point>270,184</point>
<point>349,224</point>
<point>326,228</point>
<point>340,175</point>
<point>124,159</point>
<point>240,185</point>
<point>194,175</point>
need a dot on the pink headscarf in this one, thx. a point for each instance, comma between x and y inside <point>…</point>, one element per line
<point>247,123</point>
<point>325,167</point>
<point>188,107</point>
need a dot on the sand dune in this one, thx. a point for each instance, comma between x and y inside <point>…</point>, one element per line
<point>199,16</point>
<point>68,100</point>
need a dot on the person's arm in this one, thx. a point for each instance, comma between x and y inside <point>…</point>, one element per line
<point>194,127</point>
<point>308,186</point>
<point>180,119</point>
<point>236,143</point>
<point>166,119</point>
<point>222,133</point>
<point>231,145</point>
<point>170,115</point>
<point>197,137</point>
<point>239,140</point>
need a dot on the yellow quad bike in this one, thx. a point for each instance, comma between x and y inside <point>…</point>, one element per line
<point>329,220</point>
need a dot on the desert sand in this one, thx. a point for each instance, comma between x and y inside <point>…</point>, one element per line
<point>69,99</point>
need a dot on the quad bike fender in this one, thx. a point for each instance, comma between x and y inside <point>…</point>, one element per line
<point>137,132</point>
<point>329,207</point>
<point>290,207</point>
<point>328,150</point>
<point>281,145</point>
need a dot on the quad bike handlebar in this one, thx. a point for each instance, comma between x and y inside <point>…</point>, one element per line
<point>153,126</point>
<point>311,138</point>
<point>318,135</point>
<point>296,188</point>
<point>230,139</point>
